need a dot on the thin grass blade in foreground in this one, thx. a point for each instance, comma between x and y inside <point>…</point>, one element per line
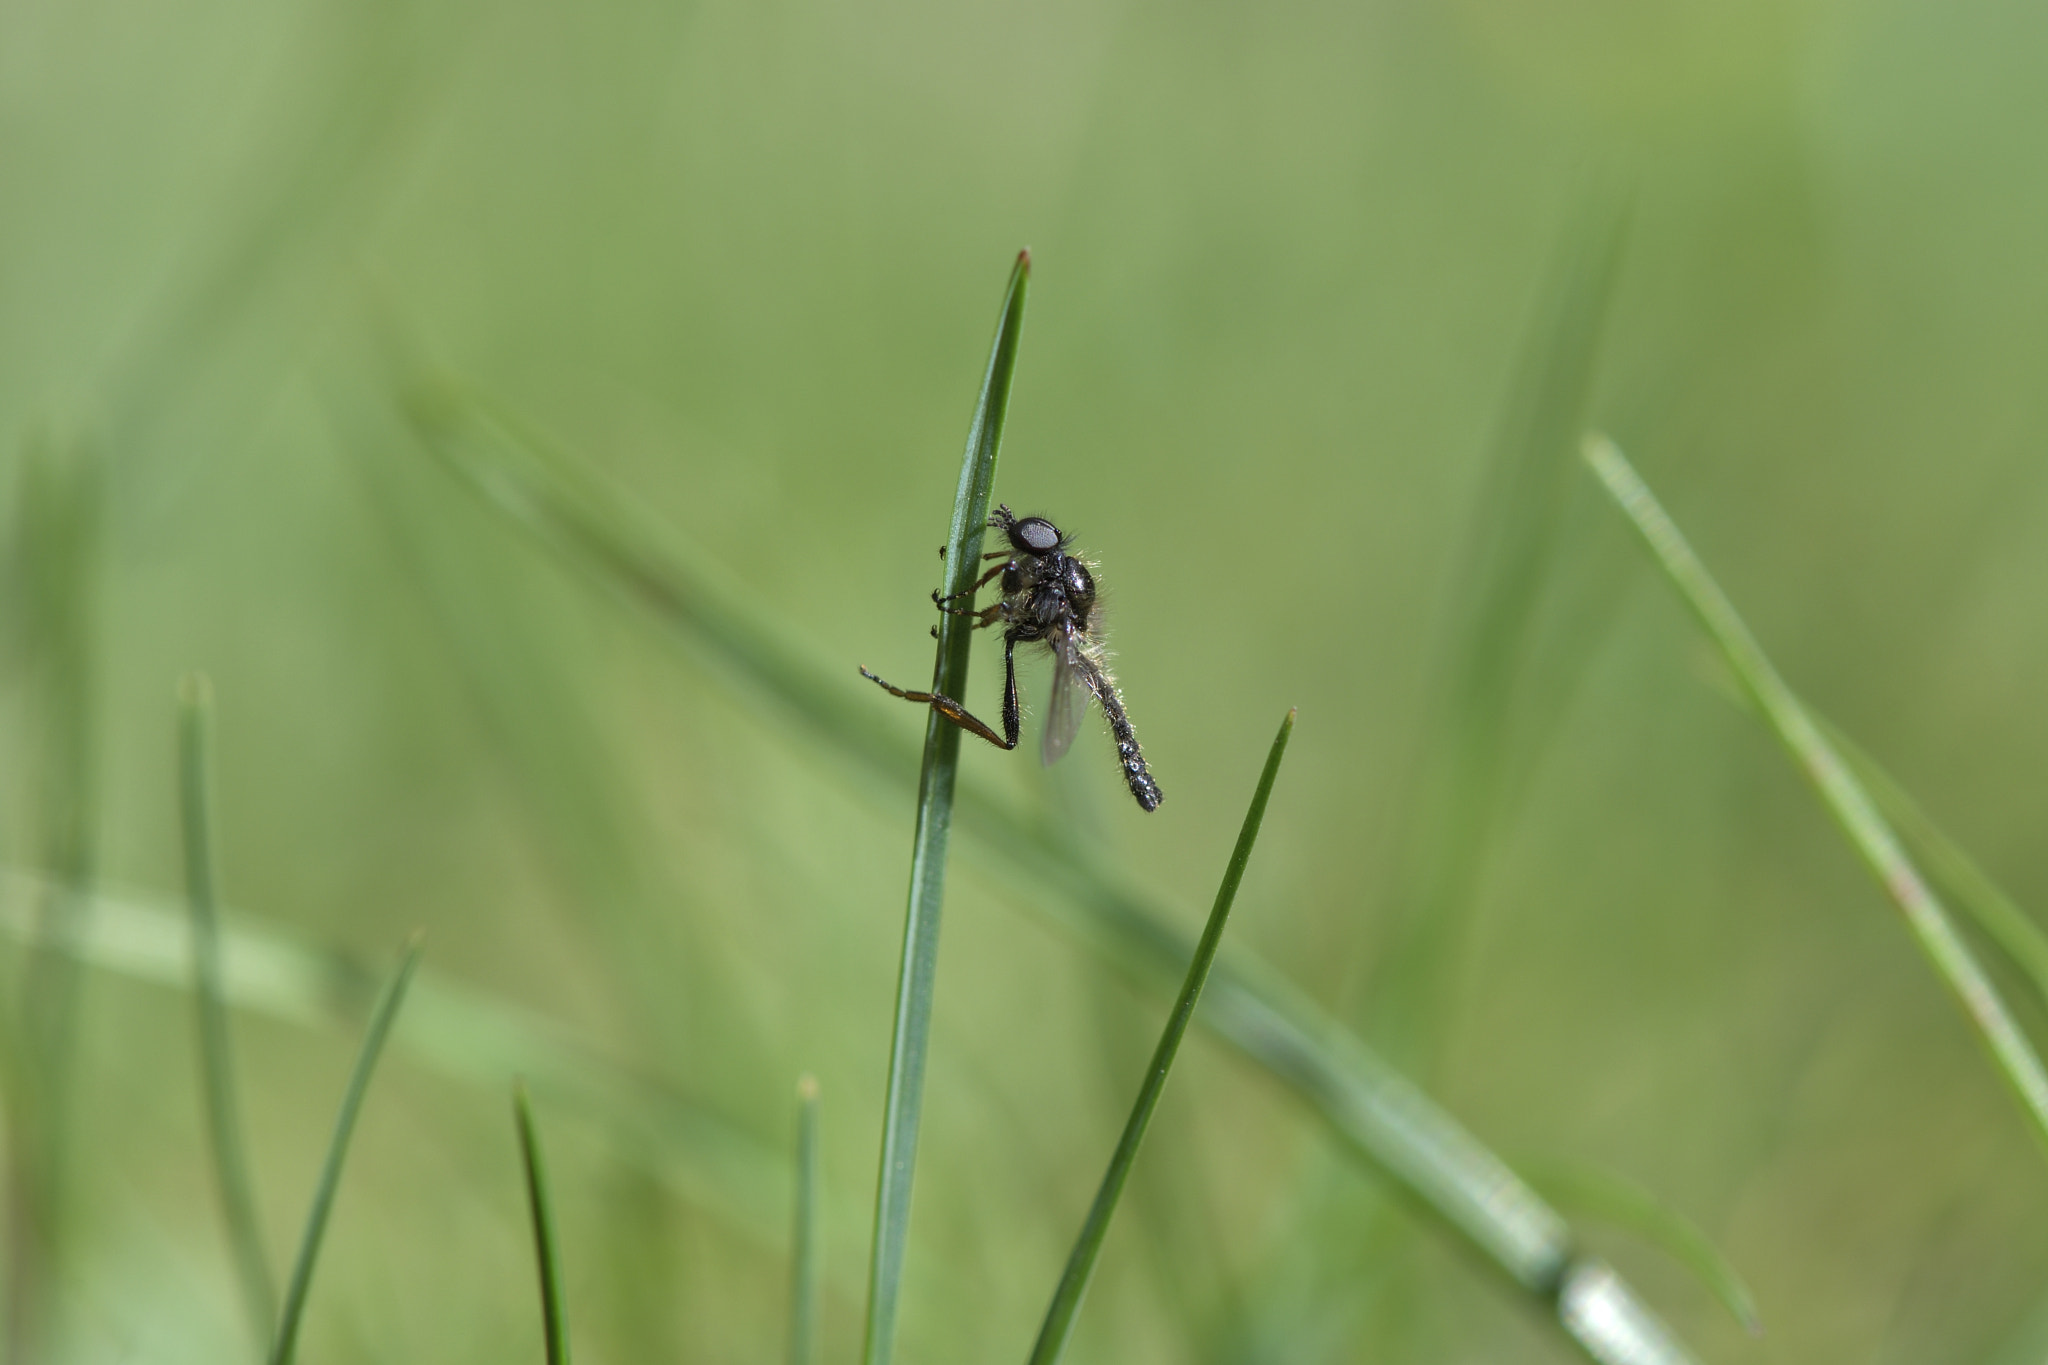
<point>1846,798</point>
<point>1066,1299</point>
<point>216,1055</point>
<point>1370,1107</point>
<point>284,1349</point>
<point>554,1323</point>
<point>806,1276</point>
<point>934,823</point>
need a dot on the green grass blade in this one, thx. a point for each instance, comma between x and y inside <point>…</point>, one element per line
<point>902,1108</point>
<point>1846,798</point>
<point>1945,862</point>
<point>1996,913</point>
<point>216,1055</point>
<point>49,626</point>
<point>1073,1285</point>
<point>806,1275</point>
<point>1490,685</point>
<point>452,1029</point>
<point>1611,1199</point>
<point>1375,1112</point>
<point>554,1323</point>
<point>284,1348</point>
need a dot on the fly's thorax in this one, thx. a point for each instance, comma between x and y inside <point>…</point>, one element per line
<point>1079,586</point>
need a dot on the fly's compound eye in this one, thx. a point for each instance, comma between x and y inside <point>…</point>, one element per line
<point>1034,535</point>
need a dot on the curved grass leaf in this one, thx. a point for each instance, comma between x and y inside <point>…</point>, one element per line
<point>284,1348</point>
<point>1073,1285</point>
<point>1611,1199</point>
<point>903,1105</point>
<point>554,1323</point>
<point>806,1273</point>
<point>1373,1110</point>
<point>1845,797</point>
<point>216,1055</point>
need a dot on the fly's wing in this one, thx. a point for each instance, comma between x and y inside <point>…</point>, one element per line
<point>1071,693</point>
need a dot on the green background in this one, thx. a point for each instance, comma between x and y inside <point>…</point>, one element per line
<point>742,260</point>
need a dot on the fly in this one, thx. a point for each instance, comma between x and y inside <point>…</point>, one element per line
<point>1049,597</point>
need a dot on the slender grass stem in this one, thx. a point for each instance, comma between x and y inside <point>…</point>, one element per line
<point>284,1347</point>
<point>216,1054</point>
<point>1845,797</point>
<point>903,1106</point>
<point>1073,1285</point>
<point>554,1322</point>
<point>806,1275</point>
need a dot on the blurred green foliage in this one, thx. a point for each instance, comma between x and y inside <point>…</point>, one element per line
<point>1290,261</point>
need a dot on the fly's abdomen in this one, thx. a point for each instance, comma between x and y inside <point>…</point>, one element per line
<point>1136,775</point>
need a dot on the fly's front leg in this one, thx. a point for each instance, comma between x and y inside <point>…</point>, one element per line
<point>969,592</point>
<point>987,616</point>
<point>958,714</point>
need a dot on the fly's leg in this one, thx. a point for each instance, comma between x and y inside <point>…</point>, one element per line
<point>969,592</point>
<point>958,714</point>
<point>1013,720</point>
<point>987,616</point>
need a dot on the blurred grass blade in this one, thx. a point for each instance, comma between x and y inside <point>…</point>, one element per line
<point>216,1055</point>
<point>554,1324</point>
<point>1489,673</point>
<point>1073,1285</point>
<point>49,624</point>
<point>902,1108</point>
<point>1945,862</point>
<point>284,1348</point>
<point>1846,799</point>
<point>1996,913</point>
<point>806,1280</point>
<point>452,1029</point>
<point>1611,1199</point>
<point>1373,1110</point>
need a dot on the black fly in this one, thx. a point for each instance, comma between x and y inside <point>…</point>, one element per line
<point>1048,595</point>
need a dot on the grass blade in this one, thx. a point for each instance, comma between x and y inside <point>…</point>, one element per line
<point>1996,913</point>
<point>1492,688</point>
<point>902,1108</point>
<point>1608,1197</point>
<point>49,625</point>
<point>452,1029</point>
<point>554,1324</point>
<point>1374,1111</point>
<point>284,1348</point>
<point>1073,1285</point>
<point>1845,797</point>
<point>806,1275</point>
<point>216,1055</point>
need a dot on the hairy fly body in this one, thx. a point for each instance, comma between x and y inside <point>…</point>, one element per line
<point>1048,597</point>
